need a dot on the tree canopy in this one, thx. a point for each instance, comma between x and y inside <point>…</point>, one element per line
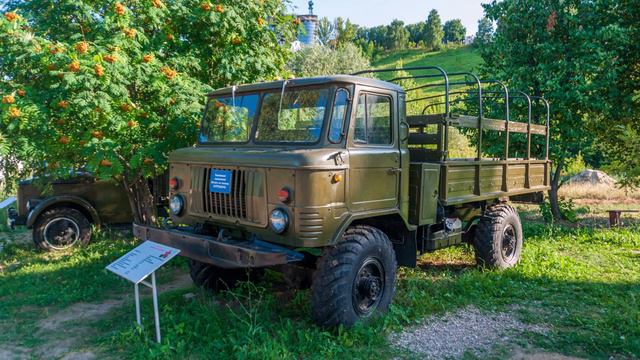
<point>322,60</point>
<point>454,31</point>
<point>484,33</point>
<point>433,31</point>
<point>577,54</point>
<point>397,35</point>
<point>113,87</point>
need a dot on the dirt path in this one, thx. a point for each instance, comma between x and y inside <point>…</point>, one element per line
<point>63,340</point>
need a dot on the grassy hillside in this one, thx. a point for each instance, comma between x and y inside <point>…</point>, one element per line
<point>465,59</point>
<point>461,59</point>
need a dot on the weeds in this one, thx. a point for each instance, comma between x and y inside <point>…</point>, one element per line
<point>567,208</point>
<point>581,284</point>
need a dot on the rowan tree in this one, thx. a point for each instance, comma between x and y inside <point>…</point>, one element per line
<point>113,86</point>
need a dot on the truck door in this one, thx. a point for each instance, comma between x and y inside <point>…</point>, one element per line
<point>374,156</point>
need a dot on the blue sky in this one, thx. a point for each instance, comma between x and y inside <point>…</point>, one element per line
<point>381,12</point>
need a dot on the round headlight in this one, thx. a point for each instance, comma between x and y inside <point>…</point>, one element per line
<point>176,205</point>
<point>279,220</point>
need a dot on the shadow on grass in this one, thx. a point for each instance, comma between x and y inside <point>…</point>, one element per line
<point>34,284</point>
<point>590,309</point>
<point>590,319</point>
<point>591,305</point>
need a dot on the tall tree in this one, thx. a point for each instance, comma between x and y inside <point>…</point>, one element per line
<point>416,32</point>
<point>433,31</point>
<point>485,32</point>
<point>619,129</point>
<point>568,52</point>
<point>454,31</point>
<point>345,31</point>
<point>113,87</point>
<point>397,35</point>
<point>324,31</point>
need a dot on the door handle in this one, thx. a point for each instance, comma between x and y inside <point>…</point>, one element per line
<point>394,171</point>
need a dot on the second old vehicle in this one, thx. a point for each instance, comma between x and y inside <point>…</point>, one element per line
<point>333,175</point>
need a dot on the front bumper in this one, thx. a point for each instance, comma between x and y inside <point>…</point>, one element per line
<point>228,253</point>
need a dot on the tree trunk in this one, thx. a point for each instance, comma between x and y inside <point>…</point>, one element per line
<point>553,192</point>
<point>141,200</point>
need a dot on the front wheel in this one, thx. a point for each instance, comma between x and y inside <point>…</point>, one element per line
<point>355,280</point>
<point>498,242</point>
<point>60,229</point>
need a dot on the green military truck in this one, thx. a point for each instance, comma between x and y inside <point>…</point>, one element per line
<point>335,164</point>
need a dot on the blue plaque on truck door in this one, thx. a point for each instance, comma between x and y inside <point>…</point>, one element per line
<point>220,181</point>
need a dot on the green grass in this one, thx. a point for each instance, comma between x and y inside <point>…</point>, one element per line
<point>583,284</point>
<point>454,60</point>
<point>34,284</point>
<point>463,59</point>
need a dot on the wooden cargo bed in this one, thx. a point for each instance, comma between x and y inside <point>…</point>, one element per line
<point>463,181</point>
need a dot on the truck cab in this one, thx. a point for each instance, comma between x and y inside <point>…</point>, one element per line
<point>335,163</point>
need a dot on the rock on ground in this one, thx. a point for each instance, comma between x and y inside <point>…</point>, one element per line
<point>593,177</point>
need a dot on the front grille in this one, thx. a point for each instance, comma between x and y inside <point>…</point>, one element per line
<point>243,202</point>
<point>233,204</point>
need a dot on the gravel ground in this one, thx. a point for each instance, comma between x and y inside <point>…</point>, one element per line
<point>467,330</point>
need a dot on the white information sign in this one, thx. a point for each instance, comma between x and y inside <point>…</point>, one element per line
<point>137,265</point>
<point>140,262</point>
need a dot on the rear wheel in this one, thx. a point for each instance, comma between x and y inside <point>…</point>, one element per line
<point>498,241</point>
<point>60,229</point>
<point>355,280</point>
<point>217,279</point>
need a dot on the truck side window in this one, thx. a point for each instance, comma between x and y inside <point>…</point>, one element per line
<point>360,134</point>
<point>337,118</point>
<point>373,120</point>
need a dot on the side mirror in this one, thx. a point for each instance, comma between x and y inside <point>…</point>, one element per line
<point>404,131</point>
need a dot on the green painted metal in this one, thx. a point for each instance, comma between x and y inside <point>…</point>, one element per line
<point>410,177</point>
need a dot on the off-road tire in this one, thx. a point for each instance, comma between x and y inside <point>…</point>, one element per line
<point>218,279</point>
<point>499,226</point>
<point>338,278</point>
<point>78,225</point>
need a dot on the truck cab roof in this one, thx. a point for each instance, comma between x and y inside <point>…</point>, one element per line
<point>311,81</point>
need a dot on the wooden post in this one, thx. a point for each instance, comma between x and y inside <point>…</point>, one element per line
<point>614,218</point>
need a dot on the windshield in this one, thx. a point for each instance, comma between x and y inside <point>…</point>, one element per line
<point>229,119</point>
<point>297,118</point>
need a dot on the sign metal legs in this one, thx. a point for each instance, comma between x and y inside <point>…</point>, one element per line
<point>156,312</point>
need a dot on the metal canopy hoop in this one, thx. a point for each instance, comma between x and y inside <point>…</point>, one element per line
<point>455,90</point>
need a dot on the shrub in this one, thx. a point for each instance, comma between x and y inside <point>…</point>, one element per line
<point>321,60</point>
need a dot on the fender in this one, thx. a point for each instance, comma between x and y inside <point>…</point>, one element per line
<point>62,200</point>
<point>368,215</point>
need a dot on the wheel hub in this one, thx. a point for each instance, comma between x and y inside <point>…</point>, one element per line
<point>371,286</point>
<point>508,243</point>
<point>368,287</point>
<point>61,233</point>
